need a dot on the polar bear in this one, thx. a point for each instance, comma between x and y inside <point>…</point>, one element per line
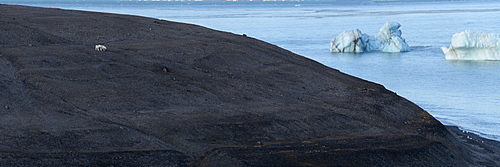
<point>100,48</point>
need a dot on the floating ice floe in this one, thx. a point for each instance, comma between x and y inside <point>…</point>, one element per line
<point>469,45</point>
<point>388,40</point>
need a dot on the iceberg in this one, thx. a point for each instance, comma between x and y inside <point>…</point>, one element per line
<point>349,41</point>
<point>469,45</point>
<point>391,38</point>
<point>388,40</point>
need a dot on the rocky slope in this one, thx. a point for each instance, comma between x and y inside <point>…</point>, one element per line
<point>173,94</point>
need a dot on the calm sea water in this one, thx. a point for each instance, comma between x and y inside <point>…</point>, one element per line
<point>461,93</point>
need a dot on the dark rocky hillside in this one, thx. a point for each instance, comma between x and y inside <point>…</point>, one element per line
<point>173,94</point>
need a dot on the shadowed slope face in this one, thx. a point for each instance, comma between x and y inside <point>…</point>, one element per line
<point>204,96</point>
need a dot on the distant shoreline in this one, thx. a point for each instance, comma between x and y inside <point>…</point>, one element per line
<point>478,145</point>
<point>472,136</point>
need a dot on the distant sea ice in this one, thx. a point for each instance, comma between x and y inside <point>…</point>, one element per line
<point>469,45</point>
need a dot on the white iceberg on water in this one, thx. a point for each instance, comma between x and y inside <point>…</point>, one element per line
<point>469,45</point>
<point>349,41</point>
<point>389,40</point>
<point>392,40</point>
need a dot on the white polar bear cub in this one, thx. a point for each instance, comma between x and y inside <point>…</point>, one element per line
<point>100,48</point>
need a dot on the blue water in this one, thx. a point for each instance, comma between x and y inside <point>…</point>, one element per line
<point>461,93</point>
